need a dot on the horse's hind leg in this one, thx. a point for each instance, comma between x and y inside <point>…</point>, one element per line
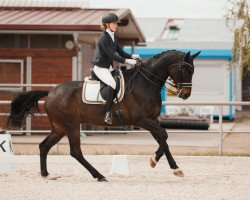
<point>75,151</point>
<point>53,138</point>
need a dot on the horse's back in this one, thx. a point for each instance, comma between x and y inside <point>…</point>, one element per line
<point>71,84</point>
<point>63,94</point>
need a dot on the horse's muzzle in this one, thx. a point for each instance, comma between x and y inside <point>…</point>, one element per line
<point>185,93</point>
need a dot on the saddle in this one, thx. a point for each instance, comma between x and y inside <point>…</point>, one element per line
<point>95,91</point>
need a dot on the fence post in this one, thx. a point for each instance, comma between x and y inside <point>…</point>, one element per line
<point>220,130</point>
<point>29,81</point>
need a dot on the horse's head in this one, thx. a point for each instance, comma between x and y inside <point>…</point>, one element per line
<point>179,66</point>
<point>182,75</point>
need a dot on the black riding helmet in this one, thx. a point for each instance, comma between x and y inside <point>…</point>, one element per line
<point>109,18</point>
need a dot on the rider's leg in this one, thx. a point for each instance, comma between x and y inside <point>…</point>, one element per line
<point>109,104</point>
<point>105,76</point>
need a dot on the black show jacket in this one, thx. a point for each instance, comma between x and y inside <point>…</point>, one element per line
<point>108,51</point>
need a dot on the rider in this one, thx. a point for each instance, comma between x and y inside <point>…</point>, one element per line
<point>107,51</point>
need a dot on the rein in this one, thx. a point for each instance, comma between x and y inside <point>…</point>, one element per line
<point>140,69</point>
<point>179,86</point>
<point>130,84</point>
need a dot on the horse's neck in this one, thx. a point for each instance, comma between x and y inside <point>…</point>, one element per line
<point>157,67</point>
<point>161,69</point>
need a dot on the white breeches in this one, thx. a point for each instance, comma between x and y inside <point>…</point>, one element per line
<point>105,76</point>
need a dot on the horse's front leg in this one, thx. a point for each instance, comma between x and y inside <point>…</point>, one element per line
<point>160,136</point>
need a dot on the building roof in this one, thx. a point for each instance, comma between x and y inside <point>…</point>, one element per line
<point>205,30</point>
<point>44,3</point>
<point>66,19</point>
<point>187,33</point>
<point>152,27</point>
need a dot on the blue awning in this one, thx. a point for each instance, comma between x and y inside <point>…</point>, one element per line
<point>205,53</point>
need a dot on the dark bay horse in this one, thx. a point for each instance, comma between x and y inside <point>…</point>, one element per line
<point>140,106</point>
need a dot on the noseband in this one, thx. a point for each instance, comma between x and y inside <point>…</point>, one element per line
<point>190,68</point>
<point>179,86</point>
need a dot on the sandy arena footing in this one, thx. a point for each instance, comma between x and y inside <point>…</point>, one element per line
<point>205,178</point>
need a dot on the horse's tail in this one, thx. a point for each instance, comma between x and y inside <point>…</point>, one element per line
<point>21,106</point>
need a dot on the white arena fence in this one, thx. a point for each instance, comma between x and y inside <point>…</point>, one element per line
<point>28,130</point>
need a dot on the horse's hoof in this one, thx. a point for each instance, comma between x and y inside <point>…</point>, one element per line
<point>152,162</point>
<point>178,172</point>
<point>103,179</point>
<point>44,174</point>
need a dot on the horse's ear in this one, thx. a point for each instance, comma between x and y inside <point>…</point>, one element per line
<point>196,54</point>
<point>186,56</point>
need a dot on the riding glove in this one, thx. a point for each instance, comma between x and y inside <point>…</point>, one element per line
<point>130,61</point>
<point>135,56</point>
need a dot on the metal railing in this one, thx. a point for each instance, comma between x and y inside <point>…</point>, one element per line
<point>26,85</point>
<point>28,130</point>
<point>220,105</point>
<point>220,131</point>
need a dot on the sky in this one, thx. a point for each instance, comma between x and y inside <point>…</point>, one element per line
<point>168,8</point>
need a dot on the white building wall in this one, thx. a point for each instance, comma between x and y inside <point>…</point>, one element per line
<point>211,83</point>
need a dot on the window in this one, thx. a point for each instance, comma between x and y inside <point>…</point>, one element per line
<point>13,41</point>
<point>11,72</point>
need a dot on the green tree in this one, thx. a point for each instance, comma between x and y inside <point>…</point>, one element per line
<point>238,20</point>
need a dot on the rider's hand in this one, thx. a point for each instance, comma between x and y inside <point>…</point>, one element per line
<point>130,61</point>
<point>135,56</point>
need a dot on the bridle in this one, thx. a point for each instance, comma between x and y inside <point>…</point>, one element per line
<point>179,86</point>
<point>190,68</point>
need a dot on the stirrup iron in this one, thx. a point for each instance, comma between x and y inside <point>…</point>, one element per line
<point>108,118</point>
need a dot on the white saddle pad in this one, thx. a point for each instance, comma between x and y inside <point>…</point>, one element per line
<point>91,91</point>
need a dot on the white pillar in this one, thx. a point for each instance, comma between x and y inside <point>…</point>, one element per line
<point>79,64</point>
<point>74,68</point>
<point>28,81</point>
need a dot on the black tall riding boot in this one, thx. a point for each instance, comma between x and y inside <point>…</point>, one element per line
<point>109,105</point>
